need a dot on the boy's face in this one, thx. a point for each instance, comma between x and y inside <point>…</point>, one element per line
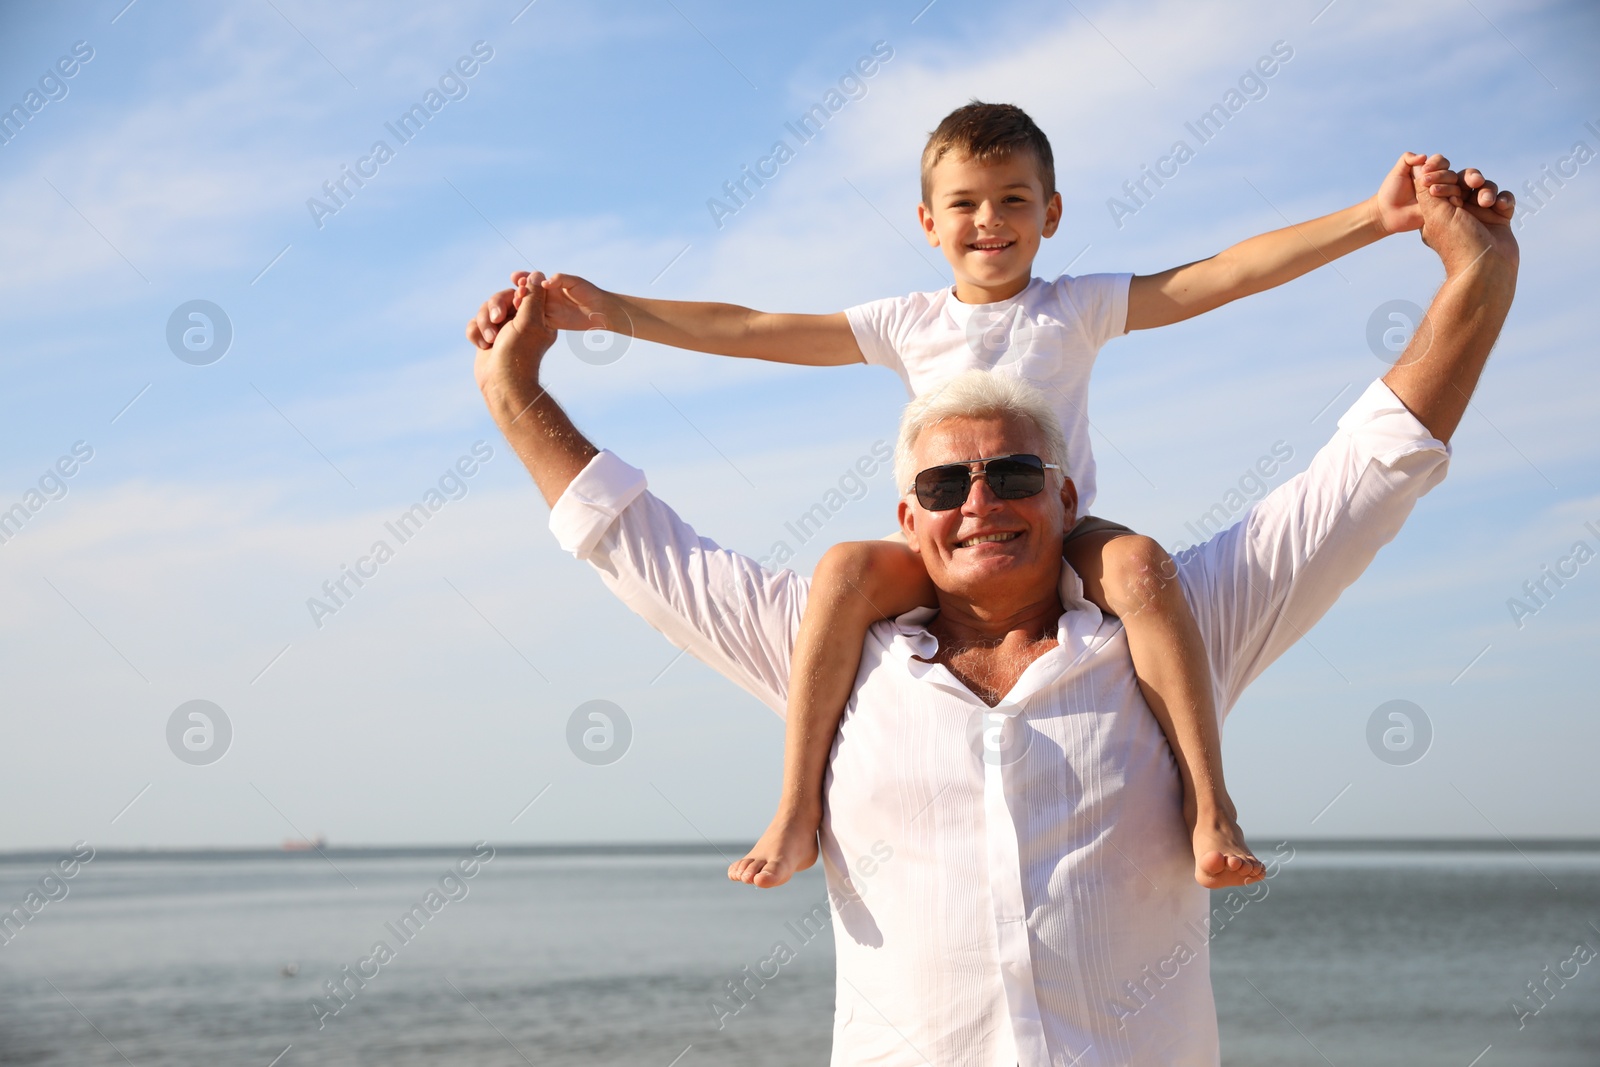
<point>988,219</point>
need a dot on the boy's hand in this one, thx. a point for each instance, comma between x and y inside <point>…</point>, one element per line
<point>574,303</point>
<point>570,303</point>
<point>1395,202</point>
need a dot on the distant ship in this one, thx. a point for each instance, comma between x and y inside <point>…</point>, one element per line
<point>300,844</point>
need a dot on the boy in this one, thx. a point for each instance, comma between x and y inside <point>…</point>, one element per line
<point>988,199</point>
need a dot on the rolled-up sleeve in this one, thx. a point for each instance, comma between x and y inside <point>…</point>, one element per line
<point>723,608</point>
<point>1257,587</point>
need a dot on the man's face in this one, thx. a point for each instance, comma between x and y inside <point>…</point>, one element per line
<point>988,219</point>
<point>956,545</point>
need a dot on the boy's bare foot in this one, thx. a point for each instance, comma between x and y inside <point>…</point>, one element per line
<point>789,845</point>
<point>1221,857</point>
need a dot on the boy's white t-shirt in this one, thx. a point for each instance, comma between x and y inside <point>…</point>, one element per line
<point>1048,334</point>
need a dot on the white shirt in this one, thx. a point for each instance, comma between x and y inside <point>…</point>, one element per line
<point>1037,903</point>
<point>1048,334</point>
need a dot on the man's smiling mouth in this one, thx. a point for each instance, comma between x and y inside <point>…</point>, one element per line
<point>981,539</point>
<point>991,246</point>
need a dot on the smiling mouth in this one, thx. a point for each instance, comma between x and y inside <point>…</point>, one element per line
<point>983,539</point>
<point>991,246</point>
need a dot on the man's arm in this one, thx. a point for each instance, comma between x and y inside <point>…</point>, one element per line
<point>1259,586</point>
<point>534,425</point>
<point>1271,259</point>
<point>1437,373</point>
<point>731,613</point>
<point>572,303</point>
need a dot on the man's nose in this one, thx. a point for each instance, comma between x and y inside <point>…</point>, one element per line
<point>988,214</point>
<point>980,498</point>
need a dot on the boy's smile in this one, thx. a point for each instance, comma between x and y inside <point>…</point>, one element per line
<point>988,219</point>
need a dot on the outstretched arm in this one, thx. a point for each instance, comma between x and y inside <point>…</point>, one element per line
<point>720,606</point>
<point>540,433</point>
<point>1436,374</point>
<point>1270,259</point>
<point>1259,586</point>
<point>572,303</point>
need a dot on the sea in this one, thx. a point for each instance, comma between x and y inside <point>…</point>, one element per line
<point>1460,954</point>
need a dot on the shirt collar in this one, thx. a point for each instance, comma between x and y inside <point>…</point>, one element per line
<point>1078,633</point>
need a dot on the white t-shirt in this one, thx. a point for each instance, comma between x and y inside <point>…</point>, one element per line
<point>1048,334</point>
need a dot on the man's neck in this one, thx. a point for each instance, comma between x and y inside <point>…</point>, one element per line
<point>961,622</point>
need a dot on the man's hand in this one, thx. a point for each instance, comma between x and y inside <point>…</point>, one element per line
<point>1471,231</point>
<point>1467,223</point>
<point>1397,205</point>
<point>508,371</point>
<point>492,314</point>
<point>570,303</point>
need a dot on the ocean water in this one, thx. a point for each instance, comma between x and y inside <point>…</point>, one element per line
<point>1352,957</point>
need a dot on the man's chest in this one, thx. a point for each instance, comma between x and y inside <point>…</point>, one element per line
<point>920,762</point>
<point>992,671</point>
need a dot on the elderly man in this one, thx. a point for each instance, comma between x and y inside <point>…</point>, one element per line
<point>997,773</point>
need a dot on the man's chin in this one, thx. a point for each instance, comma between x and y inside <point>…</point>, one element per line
<point>985,563</point>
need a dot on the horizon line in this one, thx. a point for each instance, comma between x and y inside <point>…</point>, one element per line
<point>689,848</point>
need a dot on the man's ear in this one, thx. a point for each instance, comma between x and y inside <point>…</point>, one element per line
<point>1069,504</point>
<point>908,524</point>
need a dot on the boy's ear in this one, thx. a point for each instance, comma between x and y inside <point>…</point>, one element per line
<point>925,220</point>
<point>1052,214</point>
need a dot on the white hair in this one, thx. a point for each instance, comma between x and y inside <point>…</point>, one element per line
<point>977,394</point>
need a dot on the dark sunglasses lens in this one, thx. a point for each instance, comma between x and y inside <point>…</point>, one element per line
<point>943,488</point>
<point>1013,479</point>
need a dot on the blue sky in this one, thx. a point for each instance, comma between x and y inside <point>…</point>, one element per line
<point>177,563</point>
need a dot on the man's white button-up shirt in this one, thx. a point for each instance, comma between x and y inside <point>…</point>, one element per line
<point>1014,885</point>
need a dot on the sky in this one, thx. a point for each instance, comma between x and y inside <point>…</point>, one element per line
<point>188,485</point>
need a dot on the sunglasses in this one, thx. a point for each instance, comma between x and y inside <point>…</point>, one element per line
<point>1009,477</point>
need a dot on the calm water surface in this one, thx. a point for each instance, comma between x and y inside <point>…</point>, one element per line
<point>1351,958</point>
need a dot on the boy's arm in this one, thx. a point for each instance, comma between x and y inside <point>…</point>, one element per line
<point>572,303</point>
<point>1270,259</point>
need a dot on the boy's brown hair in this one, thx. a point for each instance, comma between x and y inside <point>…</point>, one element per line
<point>987,133</point>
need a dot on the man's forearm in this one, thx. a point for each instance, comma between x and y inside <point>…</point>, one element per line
<point>1437,373</point>
<point>1251,266</point>
<point>508,376</point>
<point>546,441</point>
